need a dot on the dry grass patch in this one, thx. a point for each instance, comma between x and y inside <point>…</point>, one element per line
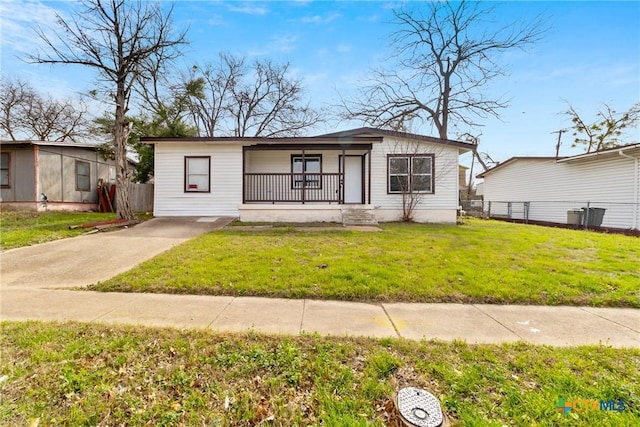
<point>78,374</point>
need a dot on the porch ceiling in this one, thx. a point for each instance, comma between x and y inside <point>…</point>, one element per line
<point>318,146</point>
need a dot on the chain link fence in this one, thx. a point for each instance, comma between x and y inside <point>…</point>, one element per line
<point>573,214</point>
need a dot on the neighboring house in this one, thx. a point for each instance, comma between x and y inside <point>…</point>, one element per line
<point>67,173</point>
<point>551,187</point>
<point>307,178</point>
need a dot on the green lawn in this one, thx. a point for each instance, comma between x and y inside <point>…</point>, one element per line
<point>477,262</point>
<point>24,228</point>
<point>79,374</point>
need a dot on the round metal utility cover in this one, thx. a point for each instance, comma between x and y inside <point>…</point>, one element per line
<point>419,407</point>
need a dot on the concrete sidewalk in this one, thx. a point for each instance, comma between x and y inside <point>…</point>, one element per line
<point>29,278</point>
<point>477,323</point>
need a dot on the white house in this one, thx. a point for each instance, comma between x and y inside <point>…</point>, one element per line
<point>307,178</point>
<point>548,188</point>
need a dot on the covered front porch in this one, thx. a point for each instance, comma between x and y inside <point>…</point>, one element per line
<point>311,182</point>
<point>309,174</point>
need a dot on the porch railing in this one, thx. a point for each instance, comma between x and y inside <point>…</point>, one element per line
<point>292,187</point>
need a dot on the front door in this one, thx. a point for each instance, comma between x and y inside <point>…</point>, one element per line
<point>353,190</point>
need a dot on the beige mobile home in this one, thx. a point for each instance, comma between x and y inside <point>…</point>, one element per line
<point>67,173</point>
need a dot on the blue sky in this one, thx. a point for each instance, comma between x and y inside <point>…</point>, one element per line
<point>590,55</point>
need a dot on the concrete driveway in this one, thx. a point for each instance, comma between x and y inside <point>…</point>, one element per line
<point>87,259</point>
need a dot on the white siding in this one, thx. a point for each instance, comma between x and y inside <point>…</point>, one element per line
<point>441,206</point>
<point>555,187</point>
<point>225,197</point>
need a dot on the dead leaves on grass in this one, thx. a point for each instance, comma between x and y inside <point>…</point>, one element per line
<point>263,412</point>
<point>386,411</point>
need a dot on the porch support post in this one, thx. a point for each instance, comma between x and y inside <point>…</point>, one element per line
<point>369,179</point>
<point>342,182</point>
<point>244,175</point>
<point>304,178</point>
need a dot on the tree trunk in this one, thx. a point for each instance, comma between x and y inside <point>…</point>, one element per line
<point>123,175</point>
<point>446,93</point>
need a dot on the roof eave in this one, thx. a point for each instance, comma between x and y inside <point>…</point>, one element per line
<point>52,143</point>
<point>263,141</point>
<point>610,151</point>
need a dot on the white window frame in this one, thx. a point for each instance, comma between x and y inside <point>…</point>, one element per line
<point>190,186</point>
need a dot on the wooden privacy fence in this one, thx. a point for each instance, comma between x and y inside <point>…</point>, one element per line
<point>142,197</point>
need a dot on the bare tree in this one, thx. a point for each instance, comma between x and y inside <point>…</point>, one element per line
<point>209,91</point>
<point>13,95</point>
<point>232,98</point>
<point>270,104</point>
<point>606,131</point>
<point>444,55</point>
<point>123,41</point>
<point>28,115</point>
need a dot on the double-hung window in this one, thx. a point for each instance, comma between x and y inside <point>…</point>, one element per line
<point>5,163</point>
<point>83,176</point>
<point>197,174</point>
<point>410,173</point>
<point>306,171</point>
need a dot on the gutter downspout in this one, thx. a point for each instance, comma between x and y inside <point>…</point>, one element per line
<point>636,189</point>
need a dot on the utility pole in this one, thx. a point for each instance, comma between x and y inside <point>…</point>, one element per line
<point>559,132</point>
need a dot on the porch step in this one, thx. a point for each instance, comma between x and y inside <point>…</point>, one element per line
<point>356,216</point>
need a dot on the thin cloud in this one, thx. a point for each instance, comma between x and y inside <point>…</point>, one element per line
<point>572,70</point>
<point>370,18</point>
<point>313,78</point>
<point>216,21</point>
<point>319,19</point>
<point>278,44</point>
<point>18,20</point>
<point>394,4</point>
<point>621,74</point>
<point>249,10</point>
<point>343,48</point>
<point>283,44</point>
